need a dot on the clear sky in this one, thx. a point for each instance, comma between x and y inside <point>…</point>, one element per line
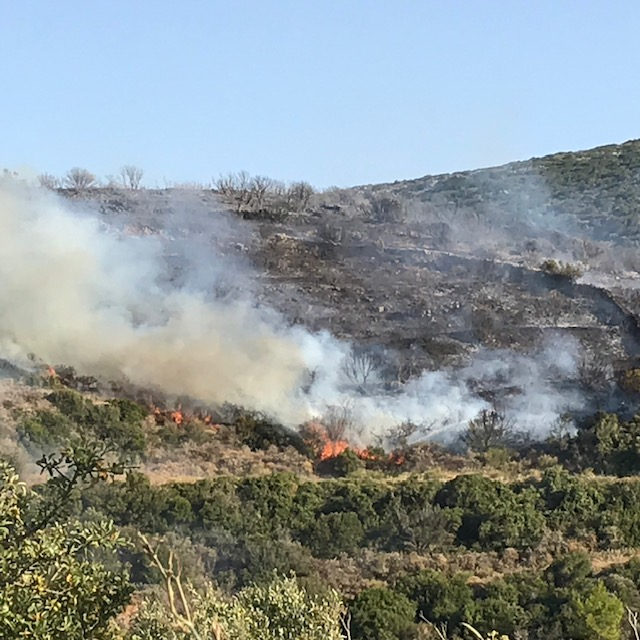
<point>337,92</point>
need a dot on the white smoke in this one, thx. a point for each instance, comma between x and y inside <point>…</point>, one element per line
<point>76,292</point>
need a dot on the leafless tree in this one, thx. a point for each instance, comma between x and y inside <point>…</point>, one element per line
<point>441,632</point>
<point>48,181</point>
<point>298,195</point>
<point>399,435</point>
<point>131,176</point>
<point>345,623</point>
<point>490,429</point>
<point>237,188</point>
<point>337,421</point>
<point>387,209</point>
<point>79,179</point>
<point>595,372</point>
<point>176,594</point>
<point>259,188</point>
<point>360,368</point>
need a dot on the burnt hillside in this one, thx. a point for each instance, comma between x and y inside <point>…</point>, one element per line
<point>429,270</point>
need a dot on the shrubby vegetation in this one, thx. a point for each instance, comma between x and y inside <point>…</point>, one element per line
<point>117,422</point>
<point>563,269</point>
<point>53,582</point>
<point>368,547</point>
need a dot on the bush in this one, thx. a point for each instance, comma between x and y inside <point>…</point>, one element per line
<point>45,430</point>
<point>345,463</point>
<point>118,421</point>
<point>259,433</point>
<point>278,610</point>
<point>79,179</point>
<point>439,598</point>
<point>570,570</point>
<point>493,515</point>
<point>379,613</point>
<point>334,533</point>
<point>51,584</point>
<point>561,269</point>
<point>595,615</point>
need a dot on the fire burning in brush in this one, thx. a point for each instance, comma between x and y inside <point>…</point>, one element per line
<point>162,416</point>
<point>325,447</point>
<point>332,449</point>
<point>181,417</point>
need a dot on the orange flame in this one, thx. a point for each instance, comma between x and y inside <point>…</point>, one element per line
<point>333,448</point>
<point>325,448</point>
<point>163,415</point>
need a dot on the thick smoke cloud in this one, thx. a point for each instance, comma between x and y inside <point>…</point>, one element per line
<point>77,292</point>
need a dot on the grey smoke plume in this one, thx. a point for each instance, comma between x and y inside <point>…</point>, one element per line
<point>74,291</point>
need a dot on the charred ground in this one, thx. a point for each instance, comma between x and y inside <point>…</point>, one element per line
<point>430,270</point>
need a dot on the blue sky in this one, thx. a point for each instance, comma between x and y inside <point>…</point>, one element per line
<point>337,92</point>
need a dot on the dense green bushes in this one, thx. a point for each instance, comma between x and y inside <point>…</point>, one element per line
<point>117,422</point>
<point>605,443</point>
<point>342,515</point>
<point>238,531</point>
<point>379,613</point>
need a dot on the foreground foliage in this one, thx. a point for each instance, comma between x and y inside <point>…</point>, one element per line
<point>51,584</point>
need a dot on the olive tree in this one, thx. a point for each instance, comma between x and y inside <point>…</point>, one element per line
<point>51,583</point>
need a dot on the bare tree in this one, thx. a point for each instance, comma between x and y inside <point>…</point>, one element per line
<point>345,623</point>
<point>131,176</point>
<point>387,208</point>
<point>48,181</point>
<point>490,429</point>
<point>298,195</point>
<point>236,187</point>
<point>337,421</point>
<point>360,368</point>
<point>441,631</point>
<point>79,179</point>
<point>176,594</point>
<point>399,435</point>
<point>259,188</point>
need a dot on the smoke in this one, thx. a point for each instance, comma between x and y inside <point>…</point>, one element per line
<point>73,291</point>
<point>78,292</point>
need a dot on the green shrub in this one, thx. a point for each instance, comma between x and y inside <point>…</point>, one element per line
<point>117,422</point>
<point>594,615</point>
<point>570,570</point>
<point>439,598</point>
<point>51,584</point>
<point>45,430</point>
<point>259,433</point>
<point>334,533</point>
<point>343,464</point>
<point>379,613</point>
<point>278,610</point>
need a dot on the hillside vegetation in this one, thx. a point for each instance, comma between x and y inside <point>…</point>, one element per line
<point>126,514</point>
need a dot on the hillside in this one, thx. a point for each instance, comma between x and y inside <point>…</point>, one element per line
<point>496,309</point>
<point>598,188</point>
<point>438,272</point>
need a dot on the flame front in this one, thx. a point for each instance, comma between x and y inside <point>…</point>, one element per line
<point>333,448</point>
